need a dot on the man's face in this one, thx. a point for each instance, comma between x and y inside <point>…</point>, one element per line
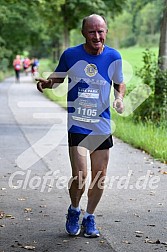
<point>95,31</point>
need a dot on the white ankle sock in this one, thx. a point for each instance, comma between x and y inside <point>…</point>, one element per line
<point>75,208</point>
<point>87,214</point>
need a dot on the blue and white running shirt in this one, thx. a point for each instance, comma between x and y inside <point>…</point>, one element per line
<point>89,83</point>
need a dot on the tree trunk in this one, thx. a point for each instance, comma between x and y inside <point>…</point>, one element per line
<point>66,31</point>
<point>160,94</point>
<point>163,40</point>
<point>66,37</point>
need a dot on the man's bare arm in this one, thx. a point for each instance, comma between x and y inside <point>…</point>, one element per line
<point>53,81</point>
<point>119,90</point>
<point>119,93</point>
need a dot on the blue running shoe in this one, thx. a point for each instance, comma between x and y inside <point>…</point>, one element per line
<point>72,222</point>
<point>89,227</point>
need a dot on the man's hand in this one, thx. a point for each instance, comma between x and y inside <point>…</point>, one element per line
<point>43,83</point>
<point>118,105</point>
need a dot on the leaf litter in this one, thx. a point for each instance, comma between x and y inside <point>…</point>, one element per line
<point>28,247</point>
<point>27,209</point>
<point>155,242</point>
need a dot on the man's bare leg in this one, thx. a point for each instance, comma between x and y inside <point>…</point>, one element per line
<point>79,173</point>
<point>99,162</point>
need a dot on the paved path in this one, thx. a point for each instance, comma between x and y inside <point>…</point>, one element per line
<point>34,173</point>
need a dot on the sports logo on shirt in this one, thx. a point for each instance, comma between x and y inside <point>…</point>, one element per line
<point>91,70</point>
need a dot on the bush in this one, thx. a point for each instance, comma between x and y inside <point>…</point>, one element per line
<point>129,41</point>
<point>154,107</point>
<point>4,64</point>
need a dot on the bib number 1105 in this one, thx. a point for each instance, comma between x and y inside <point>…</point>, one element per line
<point>87,111</point>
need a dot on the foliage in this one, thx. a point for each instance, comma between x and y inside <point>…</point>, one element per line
<point>20,27</point>
<point>160,95</point>
<point>144,12</point>
<point>139,24</point>
<point>53,20</point>
<point>148,23</point>
<point>77,9</point>
<point>119,28</point>
<point>154,107</point>
<point>41,26</point>
<point>128,41</point>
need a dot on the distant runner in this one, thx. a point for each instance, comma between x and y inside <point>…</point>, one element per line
<point>17,64</point>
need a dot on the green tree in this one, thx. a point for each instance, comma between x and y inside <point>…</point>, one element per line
<point>44,26</point>
<point>134,7</point>
<point>4,52</point>
<point>51,15</point>
<point>22,26</point>
<point>120,31</point>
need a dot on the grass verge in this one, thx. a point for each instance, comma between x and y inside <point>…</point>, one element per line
<point>148,137</point>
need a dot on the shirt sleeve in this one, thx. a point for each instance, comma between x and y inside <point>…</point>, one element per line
<point>62,65</point>
<point>118,74</point>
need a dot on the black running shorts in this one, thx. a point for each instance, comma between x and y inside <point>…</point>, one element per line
<point>90,142</point>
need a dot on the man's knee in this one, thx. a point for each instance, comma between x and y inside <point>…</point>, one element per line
<point>78,180</point>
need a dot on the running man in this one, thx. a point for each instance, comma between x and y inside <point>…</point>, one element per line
<point>91,67</point>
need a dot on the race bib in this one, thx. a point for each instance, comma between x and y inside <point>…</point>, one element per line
<point>86,105</point>
<point>17,67</point>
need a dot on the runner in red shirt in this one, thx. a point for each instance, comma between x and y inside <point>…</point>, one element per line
<point>17,67</point>
<point>26,64</point>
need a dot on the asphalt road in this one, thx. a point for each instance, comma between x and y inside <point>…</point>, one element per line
<point>34,174</point>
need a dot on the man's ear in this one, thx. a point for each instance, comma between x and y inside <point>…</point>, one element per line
<point>82,31</point>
